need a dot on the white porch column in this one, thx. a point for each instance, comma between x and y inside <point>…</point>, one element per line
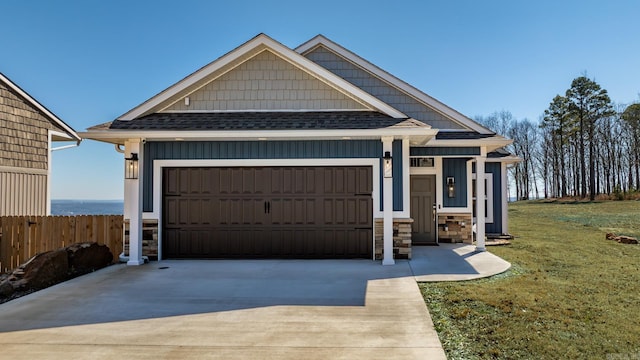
<point>133,203</point>
<point>505,198</point>
<point>387,190</point>
<point>480,199</point>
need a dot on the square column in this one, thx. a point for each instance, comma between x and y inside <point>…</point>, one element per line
<point>133,203</point>
<point>480,199</point>
<point>387,191</point>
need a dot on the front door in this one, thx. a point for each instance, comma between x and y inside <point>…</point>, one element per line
<point>423,198</point>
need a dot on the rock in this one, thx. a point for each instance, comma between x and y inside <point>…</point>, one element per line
<point>621,238</point>
<point>86,257</point>
<point>43,270</point>
<point>627,240</point>
<point>6,289</point>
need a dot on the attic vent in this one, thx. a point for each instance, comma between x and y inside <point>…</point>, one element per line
<point>421,162</point>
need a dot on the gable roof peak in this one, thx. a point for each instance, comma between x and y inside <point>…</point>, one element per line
<point>46,112</point>
<point>242,53</point>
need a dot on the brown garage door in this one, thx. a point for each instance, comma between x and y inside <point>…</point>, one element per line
<point>267,212</point>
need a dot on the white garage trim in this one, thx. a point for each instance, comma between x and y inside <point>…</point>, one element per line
<point>159,164</point>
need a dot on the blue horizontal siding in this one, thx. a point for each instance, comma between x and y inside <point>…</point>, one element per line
<point>456,168</point>
<point>214,150</point>
<point>444,151</point>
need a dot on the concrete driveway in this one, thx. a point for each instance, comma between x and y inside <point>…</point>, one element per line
<point>262,309</point>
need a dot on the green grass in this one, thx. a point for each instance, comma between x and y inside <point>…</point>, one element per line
<point>570,293</point>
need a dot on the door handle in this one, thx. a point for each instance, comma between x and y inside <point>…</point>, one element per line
<point>268,207</point>
<point>265,207</point>
<point>434,212</point>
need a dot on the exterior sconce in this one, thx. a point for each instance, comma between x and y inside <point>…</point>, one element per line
<point>131,167</point>
<point>451,187</point>
<point>388,166</point>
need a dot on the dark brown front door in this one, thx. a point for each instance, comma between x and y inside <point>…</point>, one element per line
<point>267,212</point>
<point>423,198</point>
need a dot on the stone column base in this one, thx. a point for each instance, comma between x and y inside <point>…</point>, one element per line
<point>149,238</point>
<point>401,238</point>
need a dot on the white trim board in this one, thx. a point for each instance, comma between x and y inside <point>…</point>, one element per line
<point>159,164</point>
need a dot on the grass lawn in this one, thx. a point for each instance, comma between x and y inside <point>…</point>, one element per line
<point>570,293</point>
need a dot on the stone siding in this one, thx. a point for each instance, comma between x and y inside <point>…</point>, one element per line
<point>401,238</point>
<point>149,238</point>
<point>455,228</point>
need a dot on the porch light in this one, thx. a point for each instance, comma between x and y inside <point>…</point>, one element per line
<point>451,186</point>
<point>388,166</point>
<point>131,167</point>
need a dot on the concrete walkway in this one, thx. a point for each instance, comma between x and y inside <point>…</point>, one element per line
<point>249,309</point>
<point>454,262</point>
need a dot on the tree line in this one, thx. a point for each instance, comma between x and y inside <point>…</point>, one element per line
<point>584,145</point>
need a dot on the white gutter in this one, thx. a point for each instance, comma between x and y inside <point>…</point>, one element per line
<point>66,147</point>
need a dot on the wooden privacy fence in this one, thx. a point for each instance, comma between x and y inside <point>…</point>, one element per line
<point>21,237</point>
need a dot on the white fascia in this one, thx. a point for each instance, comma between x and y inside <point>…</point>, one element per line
<point>491,143</point>
<point>392,80</point>
<point>261,135</point>
<point>257,44</point>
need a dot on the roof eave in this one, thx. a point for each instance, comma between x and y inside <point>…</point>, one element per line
<point>416,135</point>
<point>491,143</point>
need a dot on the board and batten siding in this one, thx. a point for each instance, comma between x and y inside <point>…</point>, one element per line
<point>379,88</point>
<point>456,168</point>
<point>22,193</point>
<point>444,151</point>
<point>496,226</point>
<point>266,82</point>
<point>217,150</point>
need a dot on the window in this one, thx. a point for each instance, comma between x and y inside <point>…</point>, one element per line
<point>421,162</point>
<point>488,200</point>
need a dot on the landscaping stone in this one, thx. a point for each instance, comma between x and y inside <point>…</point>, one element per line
<point>41,271</point>
<point>6,289</point>
<point>88,256</point>
<point>621,238</point>
<point>53,267</point>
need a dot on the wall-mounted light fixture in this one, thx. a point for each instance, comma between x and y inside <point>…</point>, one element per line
<point>388,166</point>
<point>451,186</point>
<point>131,167</point>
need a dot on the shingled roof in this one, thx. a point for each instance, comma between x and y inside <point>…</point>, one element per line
<point>259,121</point>
<point>461,135</point>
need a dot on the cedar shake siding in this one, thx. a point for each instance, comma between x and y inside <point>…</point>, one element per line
<point>24,151</point>
<point>266,82</point>
<point>23,132</point>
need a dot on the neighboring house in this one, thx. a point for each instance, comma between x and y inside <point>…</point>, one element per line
<point>27,132</point>
<point>272,152</point>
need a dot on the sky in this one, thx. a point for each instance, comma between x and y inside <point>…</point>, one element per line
<point>91,61</point>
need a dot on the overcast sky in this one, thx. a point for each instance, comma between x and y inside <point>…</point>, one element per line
<point>91,61</point>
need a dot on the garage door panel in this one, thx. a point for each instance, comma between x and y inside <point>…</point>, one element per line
<point>312,212</point>
<point>171,182</point>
